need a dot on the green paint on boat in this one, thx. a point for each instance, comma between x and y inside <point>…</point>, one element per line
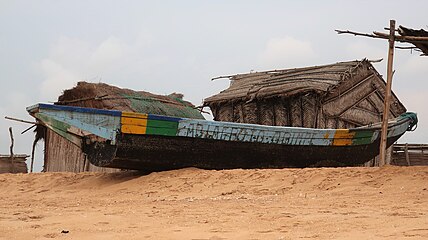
<point>164,128</point>
<point>362,137</point>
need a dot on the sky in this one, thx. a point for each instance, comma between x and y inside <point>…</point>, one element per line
<point>47,46</point>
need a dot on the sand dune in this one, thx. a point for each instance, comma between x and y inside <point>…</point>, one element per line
<point>328,203</point>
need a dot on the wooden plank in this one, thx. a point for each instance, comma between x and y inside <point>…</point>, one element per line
<point>406,152</point>
<point>18,166</point>
<point>63,156</point>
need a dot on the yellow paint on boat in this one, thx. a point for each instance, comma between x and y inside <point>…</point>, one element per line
<point>342,137</point>
<point>133,123</point>
<point>326,135</point>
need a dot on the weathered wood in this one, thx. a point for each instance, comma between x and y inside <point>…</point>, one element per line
<point>406,39</point>
<point>19,165</point>
<point>11,149</point>
<point>33,149</point>
<point>64,156</point>
<point>382,152</point>
<point>19,120</point>
<point>410,155</point>
<point>406,152</point>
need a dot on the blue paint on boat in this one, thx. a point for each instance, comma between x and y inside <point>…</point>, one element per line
<point>74,109</point>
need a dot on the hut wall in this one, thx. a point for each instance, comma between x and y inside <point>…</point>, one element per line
<point>266,113</point>
<point>250,112</point>
<point>19,165</point>
<point>63,156</point>
<point>282,110</point>
<point>350,97</point>
<point>410,155</point>
<point>224,113</point>
<point>298,111</point>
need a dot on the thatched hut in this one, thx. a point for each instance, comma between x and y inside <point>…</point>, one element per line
<point>340,95</point>
<point>62,155</point>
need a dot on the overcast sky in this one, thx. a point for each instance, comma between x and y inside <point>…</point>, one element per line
<point>178,46</point>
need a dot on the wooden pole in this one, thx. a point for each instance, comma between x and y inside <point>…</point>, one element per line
<point>12,159</point>
<point>406,152</point>
<point>32,154</point>
<point>387,100</point>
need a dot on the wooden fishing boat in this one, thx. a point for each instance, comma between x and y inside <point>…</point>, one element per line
<point>149,142</point>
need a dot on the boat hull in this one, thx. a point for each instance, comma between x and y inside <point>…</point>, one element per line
<point>156,153</point>
<point>153,142</point>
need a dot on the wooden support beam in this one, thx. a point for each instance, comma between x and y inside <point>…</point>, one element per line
<point>398,38</point>
<point>20,120</point>
<point>382,156</point>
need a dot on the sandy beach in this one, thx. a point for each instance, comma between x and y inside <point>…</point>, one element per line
<point>325,203</point>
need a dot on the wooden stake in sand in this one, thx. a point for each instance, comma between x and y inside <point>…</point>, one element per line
<point>11,149</point>
<point>387,100</point>
<point>32,154</point>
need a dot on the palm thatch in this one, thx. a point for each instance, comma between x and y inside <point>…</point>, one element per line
<point>408,32</point>
<point>104,96</point>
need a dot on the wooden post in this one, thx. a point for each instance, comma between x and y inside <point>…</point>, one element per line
<point>12,160</point>
<point>406,152</point>
<point>387,100</point>
<point>32,154</point>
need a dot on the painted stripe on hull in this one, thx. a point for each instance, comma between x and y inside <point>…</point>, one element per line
<point>107,124</point>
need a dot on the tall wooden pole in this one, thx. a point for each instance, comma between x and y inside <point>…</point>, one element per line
<point>12,157</point>
<point>387,100</point>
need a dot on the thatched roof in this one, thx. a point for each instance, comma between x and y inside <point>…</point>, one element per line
<point>288,82</point>
<point>408,32</point>
<point>104,96</point>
